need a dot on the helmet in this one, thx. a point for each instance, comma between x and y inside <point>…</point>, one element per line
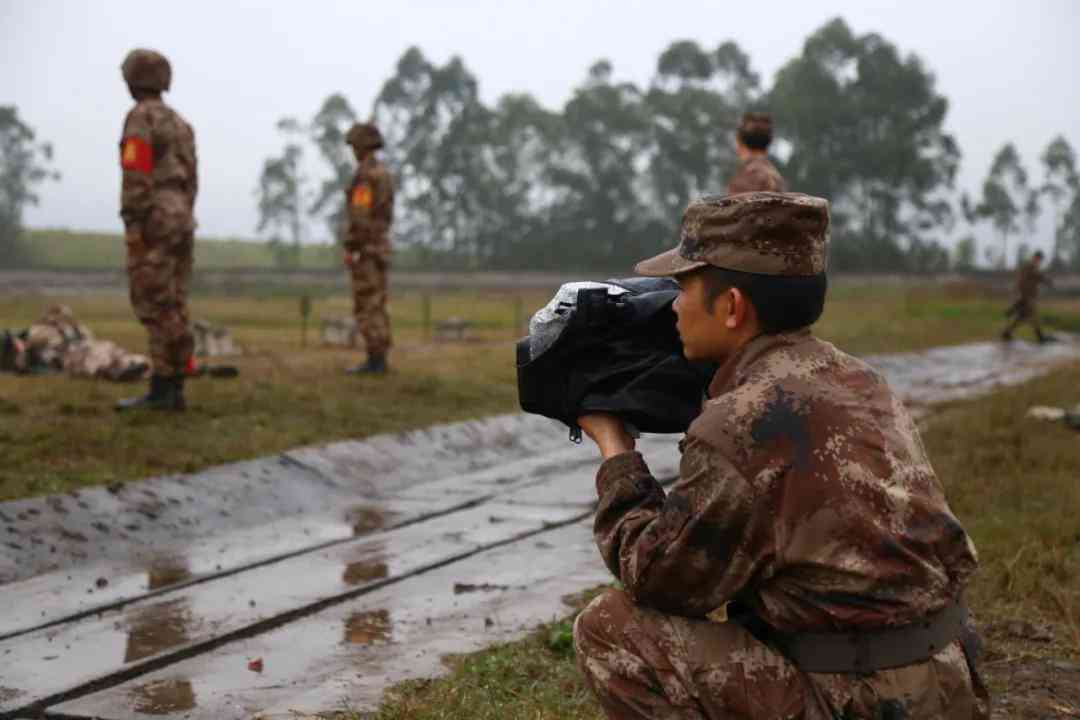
<point>364,136</point>
<point>147,70</point>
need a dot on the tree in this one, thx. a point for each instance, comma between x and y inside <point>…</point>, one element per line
<point>24,164</point>
<point>693,106</point>
<point>866,131</point>
<point>327,132</point>
<point>1006,198</point>
<point>965,253</point>
<point>282,194</point>
<point>1061,185</point>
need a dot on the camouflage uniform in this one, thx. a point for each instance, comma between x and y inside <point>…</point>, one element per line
<point>58,342</point>
<point>1024,309</point>
<point>805,503</point>
<point>755,171</point>
<point>157,199</point>
<point>369,202</point>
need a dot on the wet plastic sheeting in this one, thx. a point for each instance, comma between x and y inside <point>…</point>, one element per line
<point>352,652</point>
<point>52,660</point>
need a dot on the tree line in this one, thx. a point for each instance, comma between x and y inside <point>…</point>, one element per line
<point>603,180</point>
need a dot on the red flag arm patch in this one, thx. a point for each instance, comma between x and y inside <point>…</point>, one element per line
<point>136,154</point>
<point>362,196</point>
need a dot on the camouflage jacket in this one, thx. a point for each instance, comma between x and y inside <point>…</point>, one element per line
<point>1028,280</point>
<point>756,173</point>
<point>804,492</point>
<point>369,203</point>
<point>157,157</point>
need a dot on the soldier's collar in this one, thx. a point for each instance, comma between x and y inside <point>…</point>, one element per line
<point>730,374</point>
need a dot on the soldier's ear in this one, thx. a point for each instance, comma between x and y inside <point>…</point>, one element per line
<point>738,308</point>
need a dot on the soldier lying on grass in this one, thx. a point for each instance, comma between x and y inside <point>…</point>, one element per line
<point>806,563</point>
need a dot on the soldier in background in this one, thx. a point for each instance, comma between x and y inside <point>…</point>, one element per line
<point>157,199</point>
<point>369,204</point>
<point>755,171</point>
<point>1028,278</point>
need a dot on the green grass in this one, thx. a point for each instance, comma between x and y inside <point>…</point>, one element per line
<point>59,434</point>
<point>65,249</point>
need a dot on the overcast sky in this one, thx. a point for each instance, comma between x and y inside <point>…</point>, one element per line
<point>1009,69</point>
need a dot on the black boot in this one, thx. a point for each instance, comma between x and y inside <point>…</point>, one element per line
<point>162,396</point>
<point>179,402</point>
<point>375,365</point>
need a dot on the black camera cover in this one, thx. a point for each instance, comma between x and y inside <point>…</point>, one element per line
<point>613,348</point>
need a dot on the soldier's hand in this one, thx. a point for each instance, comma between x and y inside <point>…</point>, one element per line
<point>608,432</point>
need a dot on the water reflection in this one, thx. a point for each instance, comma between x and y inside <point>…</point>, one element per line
<point>167,572</point>
<point>365,519</point>
<point>158,627</point>
<point>371,627</point>
<point>163,697</point>
<point>358,573</point>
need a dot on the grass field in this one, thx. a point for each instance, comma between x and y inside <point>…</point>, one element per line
<point>60,434</point>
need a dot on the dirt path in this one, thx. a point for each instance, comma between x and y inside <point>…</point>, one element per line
<point>320,576</point>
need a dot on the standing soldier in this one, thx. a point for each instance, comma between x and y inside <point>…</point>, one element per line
<point>1028,279</point>
<point>157,155</point>
<point>755,172</point>
<point>369,203</point>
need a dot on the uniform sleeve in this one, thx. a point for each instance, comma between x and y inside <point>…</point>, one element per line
<point>137,166</point>
<point>688,551</point>
<point>354,230</point>
<point>382,213</point>
<point>194,164</point>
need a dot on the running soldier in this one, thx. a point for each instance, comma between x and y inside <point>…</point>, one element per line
<point>755,171</point>
<point>1028,279</point>
<point>805,564</point>
<point>369,204</point>
<point>157,200</point>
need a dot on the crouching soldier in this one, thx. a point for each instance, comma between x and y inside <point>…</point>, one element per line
<point>806,563</point>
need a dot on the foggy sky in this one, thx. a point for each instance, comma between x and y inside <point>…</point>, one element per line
<point>1009,70</point>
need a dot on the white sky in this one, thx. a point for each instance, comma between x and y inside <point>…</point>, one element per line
<point>1009,69</point>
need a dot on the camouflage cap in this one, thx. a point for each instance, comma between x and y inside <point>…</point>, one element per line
<point>147,70</point>
<point>364,136</point>
<point>768,233</point>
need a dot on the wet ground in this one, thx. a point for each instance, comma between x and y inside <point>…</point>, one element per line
<point>316,578</point>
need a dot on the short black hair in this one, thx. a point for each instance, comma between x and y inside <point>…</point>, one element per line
<point>782,302</point>
<point>755,140</point>
<point>1039,254</point>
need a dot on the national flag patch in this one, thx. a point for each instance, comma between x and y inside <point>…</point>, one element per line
<point>362,196</point>
<point>136,154</point>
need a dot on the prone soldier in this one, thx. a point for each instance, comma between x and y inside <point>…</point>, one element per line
<point>806,563</point>
<point>755,171</point>
<point>157,199</point>
<point>1028,279</point>
<point>369,204</point>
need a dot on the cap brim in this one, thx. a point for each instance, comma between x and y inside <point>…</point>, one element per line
<point>667,264</point>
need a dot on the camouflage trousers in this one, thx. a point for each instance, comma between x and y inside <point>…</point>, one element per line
<point>369,303</point>
<point>159,277</point>
<point>642,664</point>
<point>1024,311</point>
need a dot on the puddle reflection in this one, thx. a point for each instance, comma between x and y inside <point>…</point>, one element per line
<point>371,627</point>
<point>163,697</point>
<point>167,572</point>
<point>365,519</point>
<point>158,627</point>
<point>358,573</point>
